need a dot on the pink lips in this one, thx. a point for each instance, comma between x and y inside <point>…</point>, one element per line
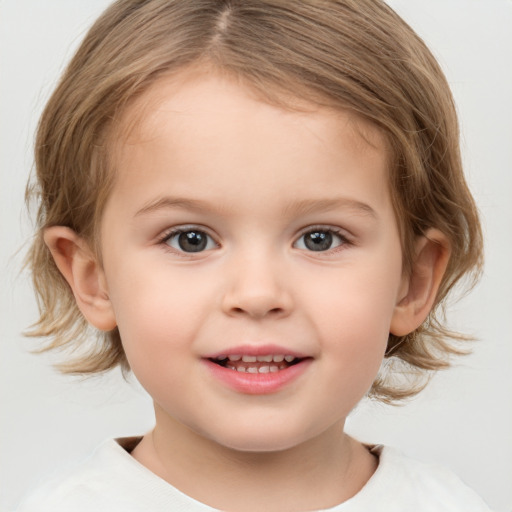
<point>253,383</point>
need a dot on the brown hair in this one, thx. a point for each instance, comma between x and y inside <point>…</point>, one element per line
<point>348,54</point>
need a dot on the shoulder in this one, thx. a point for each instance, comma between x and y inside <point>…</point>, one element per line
<point>82,486</point>
<point>402,483</point>
<point>108,480</point>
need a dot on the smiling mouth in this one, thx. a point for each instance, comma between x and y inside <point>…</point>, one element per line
<point>271,363</point>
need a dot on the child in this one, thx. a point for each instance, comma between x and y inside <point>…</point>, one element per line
<point>254,203</point>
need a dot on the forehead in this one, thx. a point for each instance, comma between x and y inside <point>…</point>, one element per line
<point>206,129</point>
<point>196,93</point>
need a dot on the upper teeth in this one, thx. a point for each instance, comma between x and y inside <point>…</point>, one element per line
<point>268,358</point>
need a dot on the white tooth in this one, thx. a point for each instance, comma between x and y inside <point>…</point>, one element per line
<point>289,359</point>
<point>264,359</point>
<point>241,369</point>
<point>274,369</point>
<point>231,367</point>
<point>278,359</point>
<point>221,358</point>
<point>249,359</point>
<point>235,358</point>
<point>252,369</point>
<point>264,369</point>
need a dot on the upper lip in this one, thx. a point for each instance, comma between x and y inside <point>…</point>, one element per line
<point>256,350</point>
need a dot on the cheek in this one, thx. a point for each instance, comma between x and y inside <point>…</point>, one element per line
<point>354,342</point>
<point>358,304</point>
<point>353,317</point>
<point>158,314</point>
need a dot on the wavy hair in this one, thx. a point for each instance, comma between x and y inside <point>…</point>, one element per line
<point>356,55</point>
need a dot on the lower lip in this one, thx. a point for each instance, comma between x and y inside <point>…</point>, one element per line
<point>257,383</point>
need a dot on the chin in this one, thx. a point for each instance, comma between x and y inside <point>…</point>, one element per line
<point>259,445</point>
<point>260,438</point>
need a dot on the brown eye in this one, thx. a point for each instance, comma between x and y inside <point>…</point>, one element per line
<point>190,241</point>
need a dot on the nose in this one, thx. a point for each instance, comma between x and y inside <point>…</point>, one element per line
<point>257,289</point>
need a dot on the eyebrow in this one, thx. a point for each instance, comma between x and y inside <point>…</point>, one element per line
<point>303,207</point>
<point>323,205</point>
<point>174,202</point>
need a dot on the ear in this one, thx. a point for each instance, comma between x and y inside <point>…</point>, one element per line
<point>81,269</point>
<point>419,289</point>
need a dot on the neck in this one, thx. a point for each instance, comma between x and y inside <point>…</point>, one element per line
<point>332,464</point>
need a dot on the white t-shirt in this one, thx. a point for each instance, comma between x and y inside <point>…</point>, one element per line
<point>111,480</point>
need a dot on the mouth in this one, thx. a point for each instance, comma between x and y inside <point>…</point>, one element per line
<point>267,363</point>
<point>261,370</point>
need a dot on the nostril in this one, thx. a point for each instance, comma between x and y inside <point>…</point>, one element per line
<point>256,304</point>
<point>257,312</point>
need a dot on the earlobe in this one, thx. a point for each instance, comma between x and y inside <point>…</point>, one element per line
<point>432,254</point>
<point>85,276</point>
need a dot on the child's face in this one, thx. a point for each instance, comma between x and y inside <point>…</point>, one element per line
<point>235,229</point>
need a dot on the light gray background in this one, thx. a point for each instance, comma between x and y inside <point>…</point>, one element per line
<point>463,420</point>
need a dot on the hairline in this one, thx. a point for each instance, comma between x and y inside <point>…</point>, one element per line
<point>280,95</point>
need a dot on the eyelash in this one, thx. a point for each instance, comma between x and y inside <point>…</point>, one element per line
<point>169,235</point>
<point>172,233</point>
<point>344,241</point>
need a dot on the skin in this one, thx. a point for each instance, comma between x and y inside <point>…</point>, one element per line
<point>255,178</point>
